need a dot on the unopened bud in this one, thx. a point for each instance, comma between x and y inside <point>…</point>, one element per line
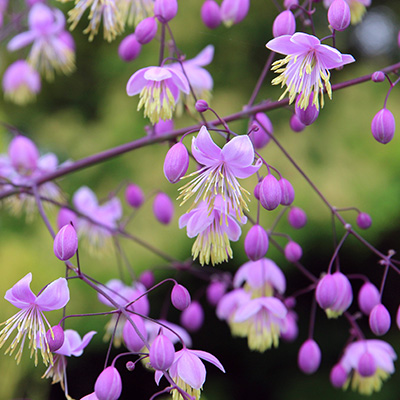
<point>210,14</point>
<point>180,297</point>
<point>65,243</point>
<point>338,376</point>
<point>176,162</point>
<point>129,48</point>
<point>293,251</point>
<point>165,10</point>
<point>339,15</point>
<point>295,124</point>
<point>201,106</point>
<point>134,195</point>
<point>23,154</point>
<point>192,317</point>
<point>308,115</point>
<point>257,190</point>
<point>147,279</point>
<point>256,243</point>
<point>290,330</point>
<point>161,353</point>
<point>163,208</point>
<point>146,30</point>
<point>364,221</point>
<point>132,339</point>
<point>368,297</point>
<point>215,291</point>
<point>234,11</point>
<point>66,216</point>
<point>344,295</point>
<point>379,320</point>
<point>326,291</point>
<point>297,218</point>
<point>261,136</point>
<point>108,385</point>
<point>287,192</point>
<point>284,24</point>
<point>270,192</point>
<point>378,76</point>
<point>55,338</point>
<point>383,126</point>
<point>309,357</point>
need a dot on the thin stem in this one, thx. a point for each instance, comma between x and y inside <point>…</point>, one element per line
<point>41,211</point>
<point>335,254</point>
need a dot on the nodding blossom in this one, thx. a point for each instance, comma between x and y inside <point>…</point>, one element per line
<point>30,321</point>
<point>305,69</point>
<point>357,8</point>
<point>159,90</point>
<point>219,172</point>
<point>367,364</point>
<point>53,48</point>
<point>134,11</point>
<point>189,372</point>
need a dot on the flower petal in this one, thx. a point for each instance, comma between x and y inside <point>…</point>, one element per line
<point>238,152</point>
<point>157,74</point>
<point>54,296</point>
<point>203,58</point>
<point>179,80</point>
<point>136,82</point>
<point>21,40</point>
<point>204,150</point>
<point>85,200</point>
<point>198,223</point>
<point>275,306</point>
<point>21,295</point>
<point>77,349</point>
<point>208,357</point>
<point>191,370</point>
<point>247,310</point>
<point>284,45</point>
<point>243,173</point>
<point>48,162</point>
<point>303,39</point>
<point>233,229</point>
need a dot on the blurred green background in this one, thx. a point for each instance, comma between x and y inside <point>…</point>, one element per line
<point>89,112</point>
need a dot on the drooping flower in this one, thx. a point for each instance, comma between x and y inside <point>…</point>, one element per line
<point>214,229</point>
<point>159,89</point>
<point>30,321</point>
<point>357,8</point>
<point>53,48</point>
<point>221,168</point>
<point>308,64</point>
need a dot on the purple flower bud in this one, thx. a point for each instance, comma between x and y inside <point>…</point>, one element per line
<point>270,192</point>
<point>257,190</point>
<point>326,292</point>
<point>339,15</point>
<point>163,208</point>
<point>108,385</point>
<point>284,24</point>
<point>398,317</point>
<point>398,39</point>
<point>192,317</point>
<point>146,30</point>
<point>66,216</point>
<point>287,192</point>
<point>55,338</point>
<point>65,243</point>
<point>293,251</point>
<point>338,376</point>
<point>256,243</point>
<point>201,106</point>
<point>290,302</point>
<point>260,137</point>
<point>176,162</point>
<point>383,126</point>
<point>129,48</point>
<point>210,14</point>
<point>215,291</point>
<point>165,10</point>
<point>309,357</point>
<point>147,279</point>
<point>310,114</point>
<point>368,297</point>
<point>364,221</point>
<point>131,338</point>
<point>289,3</point>
<point>180,297</point>
<point>366,365</point>
<point>134,195</point>
<point>295,124</point>
<point>162,353</point>
<point>379,320</point>
<point>162,127</point>
<point>297,218</point>
<point>344,295</point>
<point>130,366</point>
<point>378,76</point>
<point>291,331</point>
<point>23,154</point>
<point>234,11</point>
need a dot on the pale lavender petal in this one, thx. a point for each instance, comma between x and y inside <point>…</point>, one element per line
<point>238,152</point>
<point>283,45</point>
<point>71,340</point>
<point>241,274</point>
<point>77,349</point>
<point>48,162</point>
<point>116,287</point>
<point>303,39</point>
<point>172,88</point>
<point>243,173</point>
<point>247,310</point>
<point>184,219</point>
<point>233,229</point>
<point>184,335</point>
<point>229,302</point>
<point>198,223</point>
<point>112,209</point>
<point>199,78</point>
<point>203,58</point>
<point>329,57</point>
<point>180,80</point>
<point>21,295</point>
<point>21,40</point>
<point>204,150</point>
<point>157,74</point>
<point>275,306</point>
<point>157,377</point>
<point>191,370</point>
<point>136,82</point>
<point>54,296</point>
<point>347,59</point>
<point>85,200</point>
<point>208,357</point>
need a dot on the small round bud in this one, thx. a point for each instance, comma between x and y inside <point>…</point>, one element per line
<point>270,192</point>
<point>130,366</point>
<point>234,11</point>
<point>146,30</point>
<point>108,385</point>
<point>366,365</point>
<point>326,291</point>
<point>295,124</point>
<point>215,291</point>
<point>378,76</point>
<point>256,243</point>
<point>163,208</point>
<point>284,24</point>
<point>364,221</point>
<point>147,279</point>
<point>129,48</point>
<point>261,136</point>
<point>65,243</point>
<point>379,320</point>
<point>290,3</point>
<point>201,106</point>
<point>192,317</point>
<point>287,192</point>
<point>297,218</point>
<point>368,297</point>
<point>383,126</point>
<point>131,338</point>
<point>180,297</point>
<point>339,15</point>
<point>338,376</point>
<point>293,251</point>
<point>165,10</point>
<point>66,216</point>
<point>162,353</point>
<point>309,357</point>
<point>176,162</point>
<point>55,338</point>
<point>308,115</point>
<point>257,190</point>
<point>210,14</point>
<point>134,195</point>
<point>23,154</point>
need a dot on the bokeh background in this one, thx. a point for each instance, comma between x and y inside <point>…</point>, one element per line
<point>89,111</point>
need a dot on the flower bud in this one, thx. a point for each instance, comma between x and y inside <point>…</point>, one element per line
<point>366,365</point>
<point>201,106</point>
<point>210,14</point>
<point>290,330</point>
<point>344,296</point>
<point>257,190</point>
<point>180,297</point>
<point>129,48</point>
<point>293,251</point>
<point>162,353</point>
<point>326,291</point>
<point>297,218</point>
<point>130,366</point>
<point>398,317</point>
<point>234,11</point>
<point>192,317</point>
<point>146,30</point>
<point>309,357</point>
<point>66,216</point>
<point>176,162</point>
<point>270,192</point>
<point>147,279</point>
<point>289,3</point>
<point>378,76</point>
<point>295,124</point>
<point>339,15</point>
<point>284,24</point>
<point>165,10</point>
<point>215,291</point>
<point>131,338</point>
<point>287,192</point>
<point>163,208</point>
<point>134,195</point>
<point>364,221</point>
<point>338,376</point>
<point>23,154</point>
<point>308,115</point>
<point>65,243</point>
<point>260,137</point>
<point>55,338</point>
<point>108,385</point>
<point>383,126</point>
<point>256,243</point>
<point>379,320</point>
<point>368,297</point>
<point>91,396</point>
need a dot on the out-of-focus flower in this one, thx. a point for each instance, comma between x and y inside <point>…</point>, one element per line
<point>234,11</point>
<point>357,8</point>
<point>3,8</point>
<point>134,11</point>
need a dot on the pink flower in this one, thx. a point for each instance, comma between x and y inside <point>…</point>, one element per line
<point>308,64</point>
<point>30,322</point>
<point>357,8</point>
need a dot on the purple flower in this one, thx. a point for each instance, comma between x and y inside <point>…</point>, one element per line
<point>159,89</point>
<point>308,64</point>
<point>30,322</point>
<point>357,8</point>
